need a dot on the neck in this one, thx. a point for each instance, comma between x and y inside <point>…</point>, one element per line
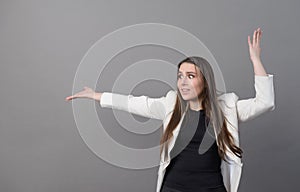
<point>195,105</point>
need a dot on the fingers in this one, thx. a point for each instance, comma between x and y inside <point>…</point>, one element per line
<point>83,94</point>
<point>249,41</point>
<point>69,98</point>
<point>77,95</point>
<point>72,97</point>
<point>259,33</point>
<point>256,38</point>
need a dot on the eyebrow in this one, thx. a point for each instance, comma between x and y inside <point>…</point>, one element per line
<point>187,72</point>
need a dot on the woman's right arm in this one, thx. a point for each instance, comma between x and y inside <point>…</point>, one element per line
<point>155,108</point>
<point>87,93</point>
<point>145,106</point>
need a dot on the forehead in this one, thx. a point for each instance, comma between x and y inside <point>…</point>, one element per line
<point>187,67</point>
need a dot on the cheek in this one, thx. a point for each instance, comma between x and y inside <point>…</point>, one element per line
<point>197,86</point>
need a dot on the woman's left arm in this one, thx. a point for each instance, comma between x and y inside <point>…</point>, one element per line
<point>263,83</point>
<point>254,50</point>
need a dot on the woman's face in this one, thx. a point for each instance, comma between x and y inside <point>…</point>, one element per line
<point>189,81</point>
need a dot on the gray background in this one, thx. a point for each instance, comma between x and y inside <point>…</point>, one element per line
<point>43,42</point>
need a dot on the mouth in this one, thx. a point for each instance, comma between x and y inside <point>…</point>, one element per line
<point>184,90</point>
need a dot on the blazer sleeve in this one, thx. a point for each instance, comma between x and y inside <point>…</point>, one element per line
<point>145,106</point>
<point>263,101</point>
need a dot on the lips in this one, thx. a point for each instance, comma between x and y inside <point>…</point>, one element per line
<point>185,90</point>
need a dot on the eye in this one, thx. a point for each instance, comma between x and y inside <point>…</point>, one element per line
<point>192,76</point>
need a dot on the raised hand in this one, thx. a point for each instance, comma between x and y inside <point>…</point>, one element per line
<point>254,46</point>
<point>254,49</point>
<point>86,93</point>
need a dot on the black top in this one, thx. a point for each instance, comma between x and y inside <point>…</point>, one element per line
<point>189,170</point>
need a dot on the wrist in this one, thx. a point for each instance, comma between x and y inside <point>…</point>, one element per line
<point>255,59</point>
<point>97,96</point>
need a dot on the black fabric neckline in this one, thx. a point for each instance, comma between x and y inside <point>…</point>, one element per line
<point>201,110</point>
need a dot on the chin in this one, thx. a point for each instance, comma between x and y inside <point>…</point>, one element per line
<point>186,98</point>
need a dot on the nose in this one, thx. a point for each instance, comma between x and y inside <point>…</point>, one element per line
<point>183,80</point>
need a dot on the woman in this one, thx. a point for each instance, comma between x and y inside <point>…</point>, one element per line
<point>188,117</point>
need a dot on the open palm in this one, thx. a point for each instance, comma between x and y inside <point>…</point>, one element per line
<point>254,46</point>
<point>86,93</point>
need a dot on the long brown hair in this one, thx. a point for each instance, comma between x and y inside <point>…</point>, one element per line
<point>213,112</point>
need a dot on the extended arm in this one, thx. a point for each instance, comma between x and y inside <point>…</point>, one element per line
<point>140,105</point>
<point>155,108</point>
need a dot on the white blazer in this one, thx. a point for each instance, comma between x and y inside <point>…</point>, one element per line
<point>235,111</point>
